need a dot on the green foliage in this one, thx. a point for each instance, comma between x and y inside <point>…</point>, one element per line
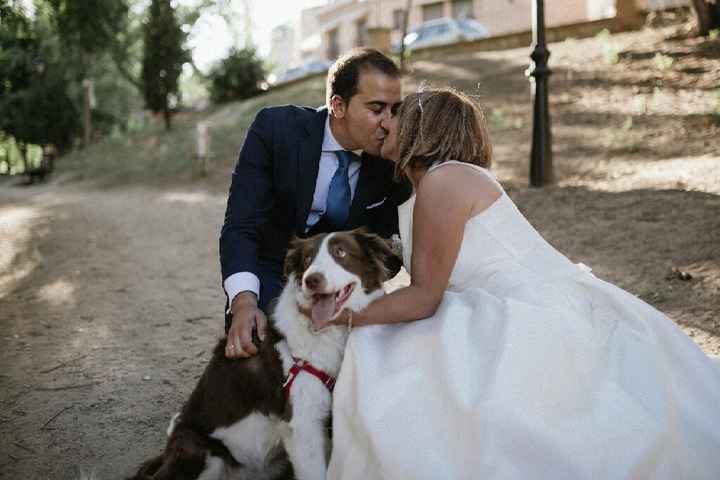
<point>663,62</point>
<point>90,26</point>
<point>11,157</point>
<point>148,153</point>
<point>163,58</point>
<point>236,77</point>
<point>610,49</point>
<point>714,34</point>
<point>35,103</point>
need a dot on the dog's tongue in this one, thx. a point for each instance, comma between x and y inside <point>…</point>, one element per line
<point>323,310</point>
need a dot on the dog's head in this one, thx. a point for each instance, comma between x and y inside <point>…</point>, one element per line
<point>337,270</point>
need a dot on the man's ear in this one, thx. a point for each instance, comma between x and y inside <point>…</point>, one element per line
<point>338,106</point>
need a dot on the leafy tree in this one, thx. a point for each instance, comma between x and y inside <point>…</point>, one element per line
<point>236,77</point>
<point>90,26</point>
<point>163,58</point>
<point>33,97</point>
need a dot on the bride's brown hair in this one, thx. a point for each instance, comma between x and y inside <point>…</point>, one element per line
<point>441,124</point>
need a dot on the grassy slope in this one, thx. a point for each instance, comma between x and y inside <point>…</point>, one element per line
<point>153,155</point>
<point>642,95</point>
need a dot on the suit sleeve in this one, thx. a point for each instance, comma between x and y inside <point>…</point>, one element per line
<point>250,199</point>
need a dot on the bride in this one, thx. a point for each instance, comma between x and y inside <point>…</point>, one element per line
<point>502,359</point>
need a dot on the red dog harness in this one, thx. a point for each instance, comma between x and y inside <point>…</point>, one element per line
<point>300,365</point>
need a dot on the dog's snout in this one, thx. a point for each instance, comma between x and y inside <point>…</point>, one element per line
<point>315,281</point>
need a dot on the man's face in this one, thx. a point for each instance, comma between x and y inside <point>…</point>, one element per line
<point>389,149</point>
<point>377,97</point>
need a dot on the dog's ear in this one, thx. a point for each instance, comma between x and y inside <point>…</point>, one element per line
<point>295,257</point>
<point>379,248</point>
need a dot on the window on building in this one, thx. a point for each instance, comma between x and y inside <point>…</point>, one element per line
<point>333,46</point>
<point>398,19</point>
<point>361,33</point>
<point>462,9</point>
<point>432,11</point>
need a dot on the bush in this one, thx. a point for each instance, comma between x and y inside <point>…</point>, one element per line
<point>34,101</point>
<point>237,77</point>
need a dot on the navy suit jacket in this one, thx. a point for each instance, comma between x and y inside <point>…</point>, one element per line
<point>272,192</point>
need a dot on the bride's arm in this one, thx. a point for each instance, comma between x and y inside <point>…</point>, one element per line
<point>446,198</point>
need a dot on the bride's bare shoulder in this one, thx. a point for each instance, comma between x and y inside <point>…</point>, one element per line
<point>458,182</point>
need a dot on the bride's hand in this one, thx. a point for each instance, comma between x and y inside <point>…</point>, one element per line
<point>343,317</point>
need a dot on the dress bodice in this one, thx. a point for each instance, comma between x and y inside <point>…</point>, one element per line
<point>529,367</point>
<point>500,249</point>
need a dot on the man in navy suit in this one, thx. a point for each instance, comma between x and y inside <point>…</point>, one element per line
<point>304,171</point>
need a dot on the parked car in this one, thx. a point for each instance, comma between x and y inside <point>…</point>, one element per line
<point>304,70</point>
<point>443,31</point>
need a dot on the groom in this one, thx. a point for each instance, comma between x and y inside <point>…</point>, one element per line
<point>304,171</point>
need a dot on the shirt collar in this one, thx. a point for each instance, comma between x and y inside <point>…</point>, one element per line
<point>330,144</point>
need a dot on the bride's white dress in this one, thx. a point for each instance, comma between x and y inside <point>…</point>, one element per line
<point>531,368</point>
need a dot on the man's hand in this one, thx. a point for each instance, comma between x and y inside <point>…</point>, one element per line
<point>245,316</point>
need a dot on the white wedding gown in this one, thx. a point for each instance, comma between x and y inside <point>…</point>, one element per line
<point>531,368</point>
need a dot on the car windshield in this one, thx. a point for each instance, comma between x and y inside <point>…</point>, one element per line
<point>471,27</point>
<point>435,30</point>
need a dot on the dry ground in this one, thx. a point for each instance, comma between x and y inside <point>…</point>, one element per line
<point>110,298</point>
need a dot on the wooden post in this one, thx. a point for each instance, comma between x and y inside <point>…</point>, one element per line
<point>88,101</point>
<point>203,147</point>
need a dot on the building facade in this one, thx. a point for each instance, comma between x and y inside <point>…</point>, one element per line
<point>343,24</point>
<point>324,32</point>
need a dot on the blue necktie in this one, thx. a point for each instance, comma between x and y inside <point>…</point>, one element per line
<point>338,200</point>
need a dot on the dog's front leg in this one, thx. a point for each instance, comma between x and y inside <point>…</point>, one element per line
<point>306,444</point>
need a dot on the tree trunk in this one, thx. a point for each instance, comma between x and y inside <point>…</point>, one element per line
<point>707,15</point>
<point>23,156</point>
<point>167,116</point>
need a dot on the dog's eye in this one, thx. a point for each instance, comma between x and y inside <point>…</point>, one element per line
<point>307,262</point>
<point>340,252</point>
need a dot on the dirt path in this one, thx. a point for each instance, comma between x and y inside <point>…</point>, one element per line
<point>110,302</point>
<point>108,310</point>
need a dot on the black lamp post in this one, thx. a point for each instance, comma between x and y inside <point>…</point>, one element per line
<point>541,168</point>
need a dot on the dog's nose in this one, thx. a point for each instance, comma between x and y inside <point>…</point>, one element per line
<point>315,281</point>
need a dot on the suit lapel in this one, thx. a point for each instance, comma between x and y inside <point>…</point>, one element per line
<point>308,164</point>
<point>364,190</point>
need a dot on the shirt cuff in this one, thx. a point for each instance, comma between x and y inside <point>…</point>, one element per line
<point>241,282</point>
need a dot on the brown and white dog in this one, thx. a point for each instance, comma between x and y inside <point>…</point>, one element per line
<point>265,417</point>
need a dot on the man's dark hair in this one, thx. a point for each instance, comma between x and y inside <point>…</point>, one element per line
<point>344,74</point>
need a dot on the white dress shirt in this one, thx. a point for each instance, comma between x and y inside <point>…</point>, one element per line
<point>248,281</point>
